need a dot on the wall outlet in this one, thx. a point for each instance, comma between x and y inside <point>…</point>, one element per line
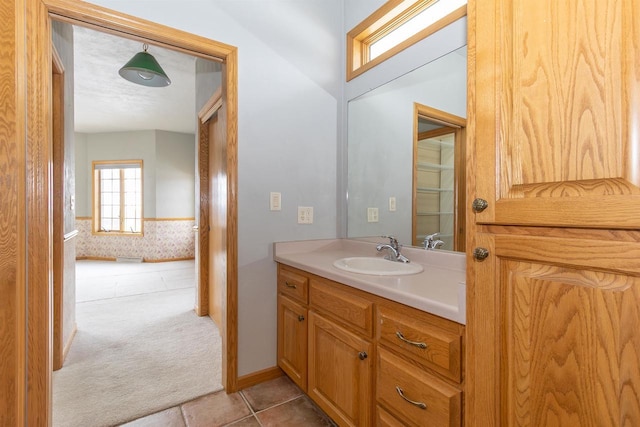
<point>275,201</point>
<point>392,204</point>
<point>305,215</point>
<point>372,214</point>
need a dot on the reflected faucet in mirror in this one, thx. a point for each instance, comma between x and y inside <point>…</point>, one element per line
<point>430,242</point>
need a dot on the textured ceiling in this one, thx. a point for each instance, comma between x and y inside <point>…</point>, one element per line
<point>105,102</point>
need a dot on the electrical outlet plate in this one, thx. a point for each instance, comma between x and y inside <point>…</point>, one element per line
<point>392,204</point>
<point>372,214</point>
<point>275,201</point>
<point>305,215</point>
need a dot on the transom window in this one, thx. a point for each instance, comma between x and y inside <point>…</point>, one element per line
<point>395,26</point>
<point>117,196</point>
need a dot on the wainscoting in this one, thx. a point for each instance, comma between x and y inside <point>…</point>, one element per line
<point>163,240</point>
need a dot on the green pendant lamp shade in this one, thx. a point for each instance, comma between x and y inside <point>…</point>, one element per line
<point>144,70</point>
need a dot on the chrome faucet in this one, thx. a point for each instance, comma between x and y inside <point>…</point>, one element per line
<point>431,243</point>
<point>393,250</point>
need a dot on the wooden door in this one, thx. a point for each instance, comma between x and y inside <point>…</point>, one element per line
<point>557,112</point>
<point>553,322</point>
<point>340,372</point>
<point>292,340</point>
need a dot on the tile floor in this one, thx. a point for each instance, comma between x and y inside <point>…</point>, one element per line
<point>278,402</point>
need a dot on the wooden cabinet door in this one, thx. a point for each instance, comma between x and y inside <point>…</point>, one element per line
<point>292,340</point>
<point>340,372</point>
<point>556,334</point>
<point>556,111</point>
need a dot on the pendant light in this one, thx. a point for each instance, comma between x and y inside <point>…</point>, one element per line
<point>143,69</point>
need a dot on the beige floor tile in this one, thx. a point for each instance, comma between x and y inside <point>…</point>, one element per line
<point>251,421</point>
<point>298,412</point>
<point>270,393</point>
<point>171,417</point>
<point>217,409</point>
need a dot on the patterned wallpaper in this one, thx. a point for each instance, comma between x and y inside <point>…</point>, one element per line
<point>162,240</point>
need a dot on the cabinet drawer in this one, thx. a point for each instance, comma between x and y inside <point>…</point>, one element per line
<point>414,336</point>
<point>293,284</point>
<point>385,419</point>
<point>427,400</point>
<point>333,299</point>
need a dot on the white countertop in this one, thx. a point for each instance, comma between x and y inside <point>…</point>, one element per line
<point>439,289</point>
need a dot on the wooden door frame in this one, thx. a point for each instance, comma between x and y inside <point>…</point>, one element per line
<point>33,105</point>
<point>458,127</point>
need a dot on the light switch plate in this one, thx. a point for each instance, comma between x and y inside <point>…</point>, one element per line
<point>372,214</point>
<point>305,215</point>
<point>392,204</point>
<point>275,201</point>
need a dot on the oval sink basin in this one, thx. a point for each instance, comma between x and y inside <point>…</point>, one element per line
<point>376,266</point>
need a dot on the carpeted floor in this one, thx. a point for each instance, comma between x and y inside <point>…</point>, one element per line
<point>134,355</point>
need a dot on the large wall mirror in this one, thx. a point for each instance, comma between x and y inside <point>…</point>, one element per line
<point>384,126</point>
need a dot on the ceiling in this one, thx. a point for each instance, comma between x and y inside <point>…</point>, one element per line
<point>105,102</point>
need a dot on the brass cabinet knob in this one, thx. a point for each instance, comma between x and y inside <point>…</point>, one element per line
<point>480,254</point>
<point>362,355</point>
<point>300,318</point>
<point>479,205</point>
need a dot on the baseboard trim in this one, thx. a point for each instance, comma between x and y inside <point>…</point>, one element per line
<point>67,346</point>
<point>97,258</point>
<point>259,377</point>
<point>94,258</point>
<point>168,259</point>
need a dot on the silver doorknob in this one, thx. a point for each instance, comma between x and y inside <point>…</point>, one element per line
<point>480,254</point>
<point>479,205</point>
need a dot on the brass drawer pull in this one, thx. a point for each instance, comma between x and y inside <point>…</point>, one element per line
<point>289,285</point>
<point>413,402</point>
<point>417,344</point>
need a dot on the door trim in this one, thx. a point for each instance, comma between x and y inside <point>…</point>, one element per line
<point>37,273</point>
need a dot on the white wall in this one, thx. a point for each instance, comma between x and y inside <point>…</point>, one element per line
<point>175,174</point>
<point>168,168</point>
<point>290,102</point>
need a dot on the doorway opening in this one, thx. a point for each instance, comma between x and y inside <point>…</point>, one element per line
<point>83,14</point>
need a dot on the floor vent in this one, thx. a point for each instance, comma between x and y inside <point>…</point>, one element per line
<point>128,259</point>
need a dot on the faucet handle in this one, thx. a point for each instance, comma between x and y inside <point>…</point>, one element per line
<point>392,241</point>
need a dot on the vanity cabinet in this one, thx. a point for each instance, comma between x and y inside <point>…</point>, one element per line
<point>370,361</point>
<point>293,325</point>
<point>554,292</point>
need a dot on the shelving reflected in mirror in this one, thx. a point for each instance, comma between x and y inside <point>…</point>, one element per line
<point>382,132</point>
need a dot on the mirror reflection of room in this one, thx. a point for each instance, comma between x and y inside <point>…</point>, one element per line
<point>381,140</point>
<point>434,185</point>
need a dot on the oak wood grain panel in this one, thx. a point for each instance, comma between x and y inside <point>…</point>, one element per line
<point>57,107</point>
<point>293,283</point>
<point>336,301</point>
<point>202,296</point>
<point>338,380</point>
<point>443,402</point>
<point>385,419</point>
<point>230,113</point>
<point>292,340</point>
<point>13,278</point>
<point>39,213</point>
<point>442,351</point>
<point>591,254</point>
<point>557,113</point>
<point>570,344</point>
